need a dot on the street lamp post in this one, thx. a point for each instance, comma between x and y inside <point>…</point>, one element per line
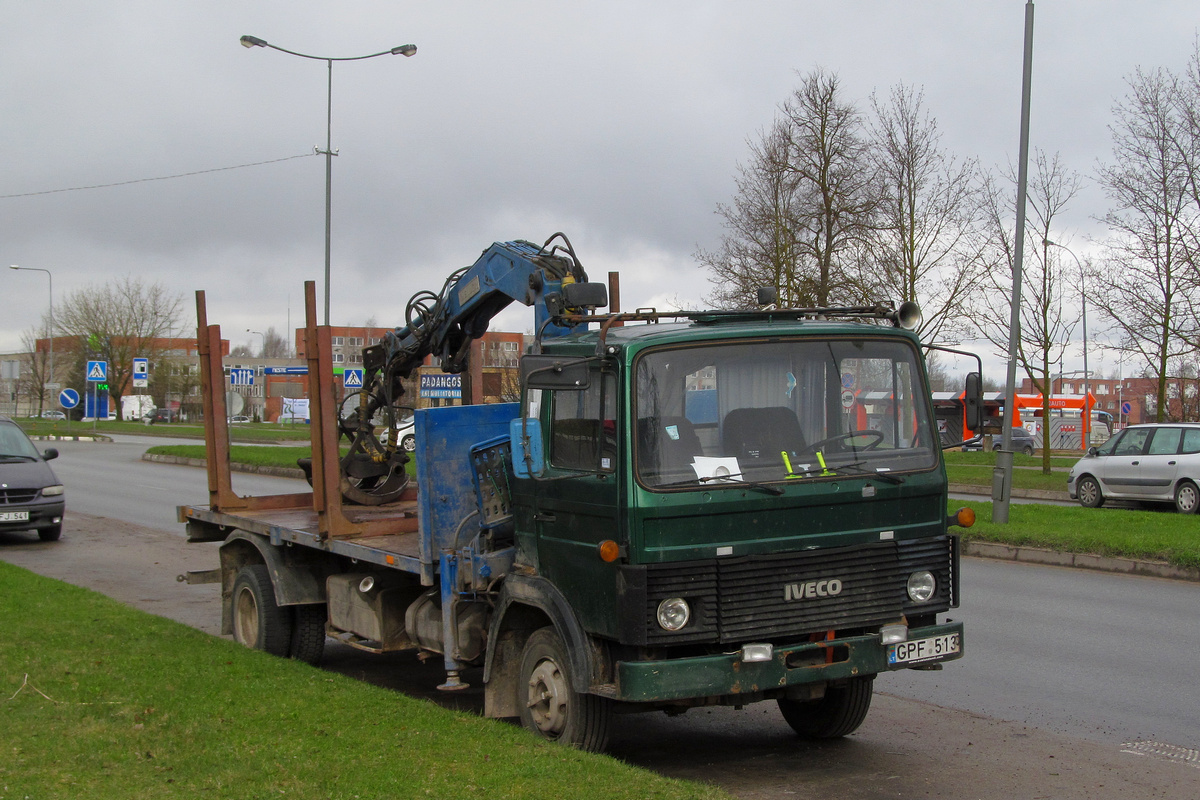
<point>264,341</point>
<point>51,277</point>
<point>328,152</point>
<point>1087,390</point>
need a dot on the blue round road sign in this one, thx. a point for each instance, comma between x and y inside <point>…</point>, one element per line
<point>68,398</point>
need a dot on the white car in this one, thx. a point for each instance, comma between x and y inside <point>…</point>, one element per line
<point>53,414</point>
<point>1157,463</point>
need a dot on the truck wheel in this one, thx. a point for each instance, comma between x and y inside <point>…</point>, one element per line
<point>1187,498</point>
<point>1088,490</point>
<point>837,714</point>
<point>308,633</point>
<point>548,702</point>
<point>258,622</point>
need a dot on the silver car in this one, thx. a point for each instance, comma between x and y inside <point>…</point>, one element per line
<point>1154,463</point>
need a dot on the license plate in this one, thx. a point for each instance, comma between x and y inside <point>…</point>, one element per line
<point>918,650</point>
<point>14,516</point>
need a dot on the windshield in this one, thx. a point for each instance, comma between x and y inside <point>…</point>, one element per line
<point>793,410</point>
<point>14,443</point>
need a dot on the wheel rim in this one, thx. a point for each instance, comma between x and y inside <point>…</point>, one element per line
<point>245,617</point>
<point>1088,491</point>
<point>547,698</point>
<point>1187,498</point>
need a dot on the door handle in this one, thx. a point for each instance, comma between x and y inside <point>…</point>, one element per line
<point>1135,463</point>
<point>542,516</point>
<point>1170,463</point>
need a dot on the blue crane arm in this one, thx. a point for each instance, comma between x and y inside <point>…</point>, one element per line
<point>445,324</point>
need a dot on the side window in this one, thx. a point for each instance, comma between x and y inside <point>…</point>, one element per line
<point>583,426</point>
<point>1165,442</point>
<point>1132,442</point>
<point>1191,440</point>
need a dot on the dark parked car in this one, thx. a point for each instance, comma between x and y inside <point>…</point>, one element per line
<point>161,415</point>
<point>1022,442</point>
<point>31,498</point>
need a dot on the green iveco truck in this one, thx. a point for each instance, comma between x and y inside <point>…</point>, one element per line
<point>687,509</point>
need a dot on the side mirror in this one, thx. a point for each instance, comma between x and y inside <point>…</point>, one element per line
<point>525,438</point>
<point>49,453</point>
<point>1093,451</point>
<point>973,401</point>
<point>767,295</point>
<point>555,372</point>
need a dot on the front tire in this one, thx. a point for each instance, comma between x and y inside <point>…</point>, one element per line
<point>258,621</point>
<point>549,704</point>
<point>837,714</point>
<point>1088,490</point>
<point>1187,498</point>
<point>50,534</point>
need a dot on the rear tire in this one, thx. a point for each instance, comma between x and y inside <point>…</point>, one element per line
<point>1089,493</point>
<point>258,621</point>
<point>308,633</point>
<point>837,714</point>
<point>1187,498</point>
<point>548,702</point>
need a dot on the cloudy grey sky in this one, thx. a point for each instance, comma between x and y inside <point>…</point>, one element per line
<point>620,123</point>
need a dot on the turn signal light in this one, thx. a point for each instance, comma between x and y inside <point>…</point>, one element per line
<point>964,517</point>
<point>610,551</point>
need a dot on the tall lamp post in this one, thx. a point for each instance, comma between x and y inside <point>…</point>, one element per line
<point>1087,386</point>
<point>264,341</point>
<point>402,50</point>
<point>51,277</point>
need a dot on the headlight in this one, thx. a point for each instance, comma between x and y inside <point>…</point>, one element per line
<point>921,586</point>
<point>52,491</point>
<point>673,613</point>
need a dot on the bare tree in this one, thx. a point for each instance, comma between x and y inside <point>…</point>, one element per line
<point>803,203</point>
<point>35,372</point>
<point>1147,289</point>
<point>275,345</point>
<point>117,322</point>
<point>1046,326</point>
<point>926,244</point>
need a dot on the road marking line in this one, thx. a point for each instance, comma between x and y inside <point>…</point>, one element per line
<point>1164,752</point>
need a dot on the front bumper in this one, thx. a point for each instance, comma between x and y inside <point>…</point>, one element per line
<point>726,674</point>
<point>42,514</point>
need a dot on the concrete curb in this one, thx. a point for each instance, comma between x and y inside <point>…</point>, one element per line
<point>55,437</point>
<point>1038,555</point>
<point>278,472</point>
<point>1028,494</point>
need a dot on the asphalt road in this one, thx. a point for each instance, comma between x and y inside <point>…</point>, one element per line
<point>1065,672</point>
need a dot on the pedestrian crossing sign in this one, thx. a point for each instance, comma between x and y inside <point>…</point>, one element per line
<point>352,379</point>
<point>97,371</point>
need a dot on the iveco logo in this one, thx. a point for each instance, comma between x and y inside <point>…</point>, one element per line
<point>804,591</point>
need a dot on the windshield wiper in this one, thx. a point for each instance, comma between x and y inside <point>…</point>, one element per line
<point>886,477</point>
<point>18,457</point>
<point>734,479</point>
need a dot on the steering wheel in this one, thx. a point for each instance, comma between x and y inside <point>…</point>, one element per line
<point>874,439</point>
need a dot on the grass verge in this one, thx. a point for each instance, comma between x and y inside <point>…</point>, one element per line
<point>253,432</point>
<point>98,700</point>
<point>1125,533</point>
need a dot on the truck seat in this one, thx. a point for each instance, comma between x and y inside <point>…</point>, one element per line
<point>761,433</point>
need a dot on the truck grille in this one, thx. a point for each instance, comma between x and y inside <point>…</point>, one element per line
<point>774,596</point>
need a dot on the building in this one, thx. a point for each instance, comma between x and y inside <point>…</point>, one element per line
<point>1131,401</point>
